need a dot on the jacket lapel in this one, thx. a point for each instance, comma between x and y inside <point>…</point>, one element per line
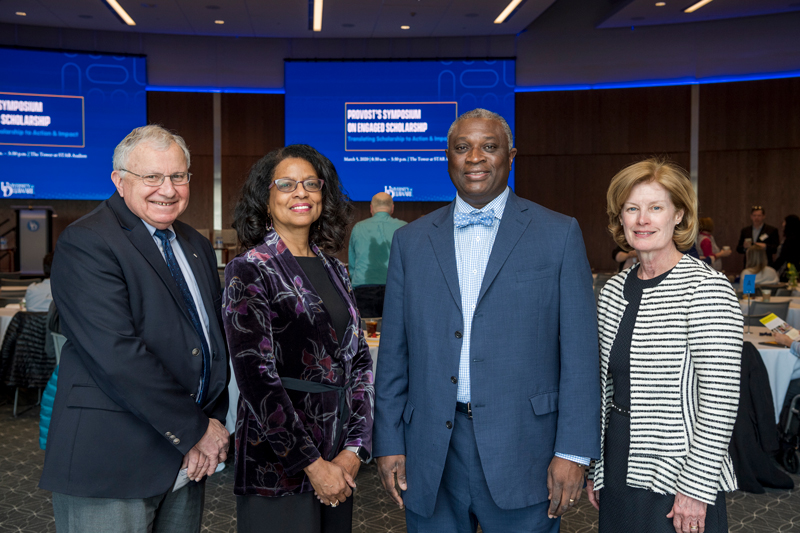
<point>513,224</point>
<point>444,247</point>
<point>201,276</point>
<point>144,243</point>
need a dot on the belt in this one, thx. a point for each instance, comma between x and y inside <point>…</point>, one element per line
<point>343,409</point>
<point>465,408</point>
<point>618,408</point>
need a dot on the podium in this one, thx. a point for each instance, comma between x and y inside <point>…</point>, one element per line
<point>34,238</point>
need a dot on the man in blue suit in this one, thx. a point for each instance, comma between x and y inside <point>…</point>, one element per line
<point>487,387</point>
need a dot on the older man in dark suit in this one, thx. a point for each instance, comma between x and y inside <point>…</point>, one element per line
<point>487,387</point>
<point>142,382</point>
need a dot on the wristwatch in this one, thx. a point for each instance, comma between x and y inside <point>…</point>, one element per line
<point>361,453</point>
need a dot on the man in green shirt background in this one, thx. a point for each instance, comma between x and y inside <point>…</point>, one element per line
<point>368,256</point>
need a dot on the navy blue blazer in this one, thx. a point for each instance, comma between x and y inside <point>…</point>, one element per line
<point>124,413</point>
<point>534,365</point>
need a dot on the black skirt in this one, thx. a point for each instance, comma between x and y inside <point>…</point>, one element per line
<point>624,508</point>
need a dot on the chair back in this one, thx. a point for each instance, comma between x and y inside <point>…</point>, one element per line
<point>58,344</point>
<point>759,310</point>
<point>5,282</point>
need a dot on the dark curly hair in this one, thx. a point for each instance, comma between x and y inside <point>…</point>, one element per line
<point>792,227</point>
<point>251,214</point>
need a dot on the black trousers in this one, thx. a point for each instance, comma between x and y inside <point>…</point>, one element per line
<point>369,299</point>
<point>299,513</point>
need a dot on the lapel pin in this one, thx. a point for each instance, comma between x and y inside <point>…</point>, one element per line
<point>194,255</point>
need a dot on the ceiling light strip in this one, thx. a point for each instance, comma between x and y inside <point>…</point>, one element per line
<point>695,7</point>
<point>121,12</point>
<point>507,11</point>
<point>317,15</point>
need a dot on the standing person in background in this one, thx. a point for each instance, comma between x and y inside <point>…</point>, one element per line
<point>38,296</point>
<point>759,234</point>
<point>789,251</point>
<point>707,246</point>
<point>487,400</point>
<point>368,254</point>
<point>142,384</point>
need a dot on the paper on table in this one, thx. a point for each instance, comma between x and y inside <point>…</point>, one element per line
<point>775,323</point>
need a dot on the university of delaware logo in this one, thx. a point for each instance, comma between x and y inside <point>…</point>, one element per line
<point>10,189</point>
<point>396,192</point>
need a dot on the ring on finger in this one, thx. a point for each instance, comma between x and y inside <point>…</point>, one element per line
<point>571,500</point>
<point>334,503</point>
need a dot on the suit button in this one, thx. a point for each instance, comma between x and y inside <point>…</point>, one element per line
<point>196,351</point>
<point>192,395</point>
<point>448,425</point>
<point>176,441</point>
<point>168,434</point>
<point>454,379</point>
<point>458,335</point>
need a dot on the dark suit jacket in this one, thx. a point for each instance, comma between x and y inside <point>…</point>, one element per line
<point>768,236</point>
<point>129,368</point>
<point>534,362</point>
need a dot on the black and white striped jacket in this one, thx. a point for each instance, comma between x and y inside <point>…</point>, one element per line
<point>685,364</point>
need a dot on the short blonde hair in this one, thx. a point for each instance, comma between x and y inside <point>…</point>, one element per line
<point>670,176</point>
<point>756,259</point>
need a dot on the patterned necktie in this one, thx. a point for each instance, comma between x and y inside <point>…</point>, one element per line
<point>177,275</point>
<point>484,218</point>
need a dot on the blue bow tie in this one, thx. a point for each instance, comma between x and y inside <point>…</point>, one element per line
<point>485,218</point>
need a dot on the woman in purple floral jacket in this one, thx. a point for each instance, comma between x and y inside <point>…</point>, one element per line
<point>304,420</point>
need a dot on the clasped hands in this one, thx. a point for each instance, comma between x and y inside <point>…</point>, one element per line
<point>210,450</point>
<point>334,481</point>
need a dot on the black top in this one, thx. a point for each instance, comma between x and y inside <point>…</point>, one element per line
<point>333,302</point>
<point>619,363</point>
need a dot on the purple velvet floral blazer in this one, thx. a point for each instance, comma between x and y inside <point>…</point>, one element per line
<point>277,326</point>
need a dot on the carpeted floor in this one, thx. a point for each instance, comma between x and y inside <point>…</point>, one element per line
<point>25,508</point>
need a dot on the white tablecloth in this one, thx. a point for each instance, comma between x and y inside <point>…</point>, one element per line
<point>792,318</point>
<point>780,363</point>
<point>6,314</point>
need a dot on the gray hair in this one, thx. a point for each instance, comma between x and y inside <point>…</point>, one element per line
<point>483,113</point>
<point>158,137</point>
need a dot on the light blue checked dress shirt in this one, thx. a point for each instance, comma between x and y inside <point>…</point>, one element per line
<point>473,245</point>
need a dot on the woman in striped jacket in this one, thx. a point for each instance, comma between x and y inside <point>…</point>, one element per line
<point>670,344</point>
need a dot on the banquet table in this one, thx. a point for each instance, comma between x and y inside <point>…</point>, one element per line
<point>780,363</point>
<point>792,318</point>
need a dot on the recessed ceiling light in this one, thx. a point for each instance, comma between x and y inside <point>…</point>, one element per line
<point>22,14</point>
<point>696,6</point>
<point>84,16</point>
<point>507,11</point>
<point>219,22</point>
<point>660,4</point>
<point>405,27</point>
<point>316,23</point>
<point>121,13</point>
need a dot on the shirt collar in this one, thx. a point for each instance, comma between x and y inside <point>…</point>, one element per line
<point>498,204</point>
<point>381,214</point>
<point>152,230</point>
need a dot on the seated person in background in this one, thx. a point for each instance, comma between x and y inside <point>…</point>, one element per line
<point>38,296</point>
<point>623,258</point>
<point>707,246</point>
<point>757,264</point>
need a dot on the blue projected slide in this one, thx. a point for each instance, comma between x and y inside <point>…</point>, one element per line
<point>61,115</point>
<point>384,123</point>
